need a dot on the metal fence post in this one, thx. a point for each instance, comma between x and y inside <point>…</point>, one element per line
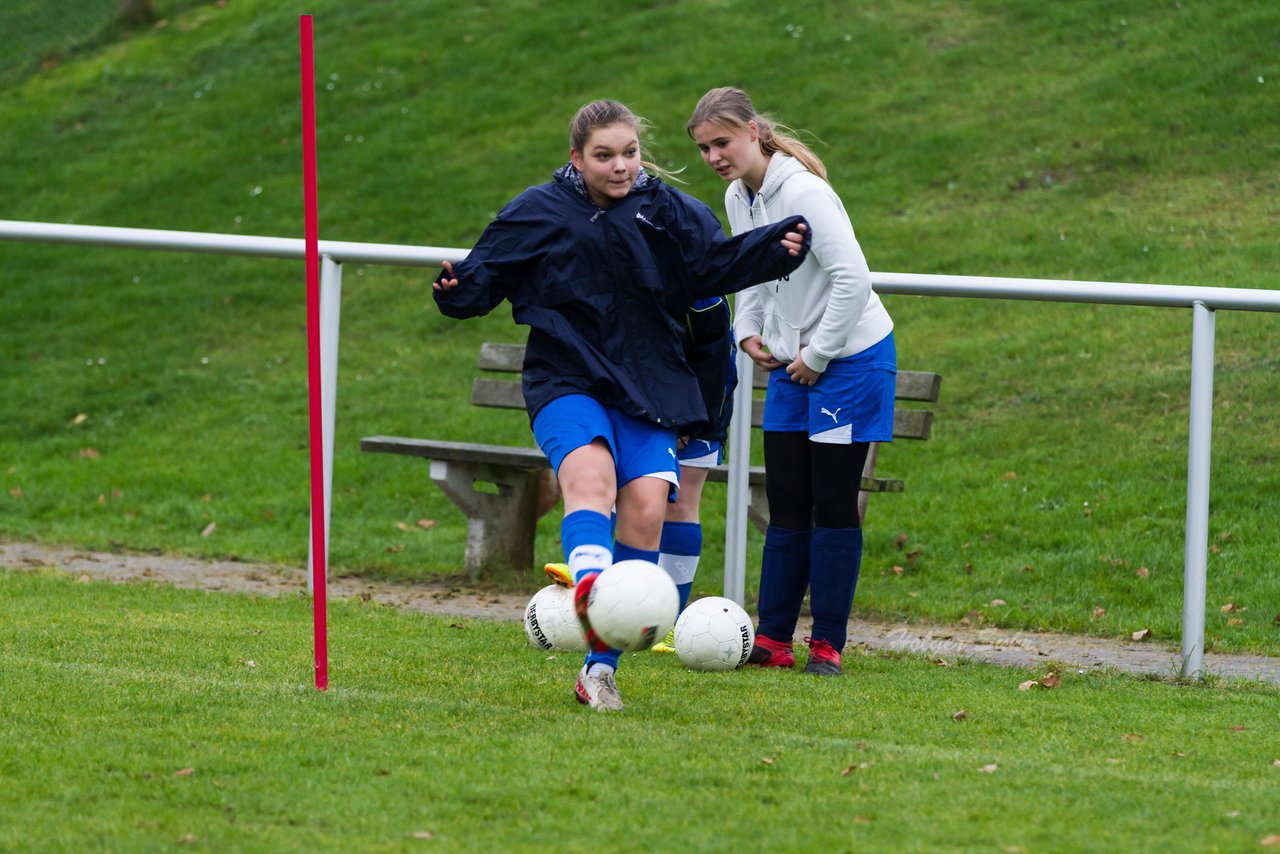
<point>330,300</point>
<point>736,501</point>
<point>1195,561</point>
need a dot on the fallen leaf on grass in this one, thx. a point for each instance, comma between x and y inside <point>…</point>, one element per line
<point>861,819</point>
<point>16,491</point>
<point>1141,634</point>
<point>1228,608</point>
<point>1098,613</point>
<point>1235,621</point>
<point>1142,572</point>
<point>1275,763</point>
<point>942,662</point>
<point>902,541</point>
<point>1133,738</point>
<point>1051,680</point>
<point>89,453</point>
<point>398,547</point>
<point>849,769</point>
<point>426,524</point>
<point>959,716</point>
<point>1238,728</point>
<point>1270,841</point>
<point>1027,686</point>
<point>422,834</point>
<point>996,603</point>
<point>897,570</point>
<point>403,526</point>
<point>185,772</point>
<point>767,760</point>
<point>989,769</point>
<point>209,529</point>
<point>80,419</point>
<point>187,839</point>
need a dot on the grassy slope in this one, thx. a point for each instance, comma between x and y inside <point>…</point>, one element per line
<point>1093,140</point>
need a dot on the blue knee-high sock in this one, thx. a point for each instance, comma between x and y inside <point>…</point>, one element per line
<point>833,578</point>
<point>585,536</point>
<point>621,552</point>
<point>679,553</point>
<point>784,578</point>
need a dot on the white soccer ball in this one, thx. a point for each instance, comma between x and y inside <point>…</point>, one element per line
<point>550,622</point>
<point>714,633</point>
<point>633,604</point>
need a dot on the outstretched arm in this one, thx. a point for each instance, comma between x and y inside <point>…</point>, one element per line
<point>730,264</point>
<point>474,286</point>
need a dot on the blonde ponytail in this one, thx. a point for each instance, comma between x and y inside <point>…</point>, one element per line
<point>731,108</point>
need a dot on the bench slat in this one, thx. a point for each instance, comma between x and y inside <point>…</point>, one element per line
<point>499,394</point>
<point>923,386</point>
<point>910,385</point>
<point>438,449</point>
<point>755,477</point>
<point>532,458</point>
<point>501,357</point>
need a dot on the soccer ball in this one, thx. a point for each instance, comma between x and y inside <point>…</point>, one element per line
<point>632,604</point>
<point>550,621</point>
<point>714,633</point>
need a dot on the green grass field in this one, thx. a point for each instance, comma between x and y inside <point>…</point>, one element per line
<point>147,395</point>
<point>148,718</point>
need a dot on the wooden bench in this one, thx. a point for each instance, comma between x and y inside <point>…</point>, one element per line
<point>504,489</point>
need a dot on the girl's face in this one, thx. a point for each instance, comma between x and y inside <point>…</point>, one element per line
<point>609,162</point>
<point>733,153</point>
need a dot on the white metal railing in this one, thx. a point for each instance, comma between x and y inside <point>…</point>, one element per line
<point>1202,300</point>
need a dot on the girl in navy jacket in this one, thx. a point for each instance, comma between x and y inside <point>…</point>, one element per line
<point>602,264</point>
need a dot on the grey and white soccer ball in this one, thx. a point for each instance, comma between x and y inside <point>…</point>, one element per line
<point>714,633</point>
<point>633,604</point>
<point>550,622</point>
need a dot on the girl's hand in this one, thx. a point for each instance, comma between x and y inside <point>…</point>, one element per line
<point>754,347</point>
<point>447,279</point>
<point>802,373</point>
<point>794,240</point>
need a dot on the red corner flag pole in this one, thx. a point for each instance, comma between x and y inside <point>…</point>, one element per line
<point>319,559</point>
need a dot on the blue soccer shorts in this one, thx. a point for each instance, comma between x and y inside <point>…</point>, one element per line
<point>852,400</point>
<point>640,448</point>
<point>701,454</point>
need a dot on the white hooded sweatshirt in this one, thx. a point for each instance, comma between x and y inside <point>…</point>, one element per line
<point>826,306</point>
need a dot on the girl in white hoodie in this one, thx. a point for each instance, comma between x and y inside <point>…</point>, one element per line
<point>828,342</point>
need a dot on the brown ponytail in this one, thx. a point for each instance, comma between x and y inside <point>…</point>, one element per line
<point>602,113</point>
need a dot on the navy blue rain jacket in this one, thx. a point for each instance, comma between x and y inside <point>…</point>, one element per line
<point>606,292</point>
